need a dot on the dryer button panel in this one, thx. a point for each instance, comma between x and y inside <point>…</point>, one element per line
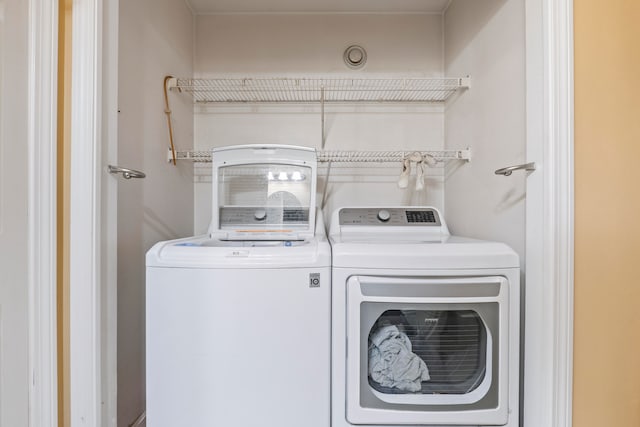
<point>389,217</point>
<point>423,217</point>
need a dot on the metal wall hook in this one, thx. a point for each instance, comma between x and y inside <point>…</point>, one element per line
<point>529,167</point>
<point>126,172</point>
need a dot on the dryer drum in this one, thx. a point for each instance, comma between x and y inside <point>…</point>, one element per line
<point>451,343</point>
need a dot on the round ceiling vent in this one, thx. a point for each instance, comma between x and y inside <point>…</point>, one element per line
<point>355,57</point>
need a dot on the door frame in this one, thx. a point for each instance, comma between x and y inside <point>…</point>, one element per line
<point>548,363</point>
<point>92,287</point>
<point>548,308</point>
<point>42,75</point>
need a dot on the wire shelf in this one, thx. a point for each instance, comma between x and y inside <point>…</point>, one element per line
<point>347,156</point>
<point>307,90</point>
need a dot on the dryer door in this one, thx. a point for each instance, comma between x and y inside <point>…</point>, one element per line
<point>427,351</point>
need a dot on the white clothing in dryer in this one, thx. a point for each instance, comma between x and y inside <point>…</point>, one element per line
<point>392,363</point>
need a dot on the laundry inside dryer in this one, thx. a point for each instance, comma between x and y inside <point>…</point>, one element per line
<point>427,351</point>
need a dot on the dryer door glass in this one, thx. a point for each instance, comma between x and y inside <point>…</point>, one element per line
<point>432,350</point>
<point>427,352</point>
<point>427,344</point>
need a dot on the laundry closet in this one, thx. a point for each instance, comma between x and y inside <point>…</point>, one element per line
<point>276,47</point>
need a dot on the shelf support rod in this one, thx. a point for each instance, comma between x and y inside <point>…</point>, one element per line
<point>322,117</point>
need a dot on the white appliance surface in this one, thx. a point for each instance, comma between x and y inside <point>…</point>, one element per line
<point>383,260</point>
<point>238,322</point>
<point>238,336</point>
<point>371,242</point>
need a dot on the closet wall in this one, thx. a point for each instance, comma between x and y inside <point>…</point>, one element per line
<point>307,45</point>
<point>486,39</point>
<point>155,39</point>
<point>481,38</point>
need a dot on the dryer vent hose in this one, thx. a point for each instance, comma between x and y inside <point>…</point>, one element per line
<point>167,111</point>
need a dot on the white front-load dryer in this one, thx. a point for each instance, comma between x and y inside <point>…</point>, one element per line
<point>425,325</point>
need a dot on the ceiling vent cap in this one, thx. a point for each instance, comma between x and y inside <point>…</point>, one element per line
<point>355,57</point>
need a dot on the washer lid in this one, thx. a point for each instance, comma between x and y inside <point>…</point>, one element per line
<point>263,192</point>
<point>206,252</point>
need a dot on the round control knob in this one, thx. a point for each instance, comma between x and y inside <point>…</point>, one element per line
<point>384,215</point>
<point>260,214</point>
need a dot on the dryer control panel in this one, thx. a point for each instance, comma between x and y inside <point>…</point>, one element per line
<point>398,217</point>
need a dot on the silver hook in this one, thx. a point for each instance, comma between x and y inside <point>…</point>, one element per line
<point>126,172</point>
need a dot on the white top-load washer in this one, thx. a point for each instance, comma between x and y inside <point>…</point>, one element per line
<point>238,320</point>
<point>425,325</point>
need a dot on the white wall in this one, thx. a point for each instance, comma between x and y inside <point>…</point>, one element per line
<point>156,39</point>
<point>14,213</point>
<point>312,45</point>
<point>298,43</point>
<point>486,40</point>
<point>375,129</point>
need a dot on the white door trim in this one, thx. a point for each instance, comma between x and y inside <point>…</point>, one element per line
<point>549,304</point>
<point>42,202</point>
<point>560,13</point>
<point>548,346</point>
<point>85,343</point>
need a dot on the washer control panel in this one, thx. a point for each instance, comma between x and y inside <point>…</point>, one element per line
<point>261,216</point>
<point>398,217</point>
